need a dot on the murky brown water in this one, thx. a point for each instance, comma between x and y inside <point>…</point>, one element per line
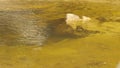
<point>22,24</point>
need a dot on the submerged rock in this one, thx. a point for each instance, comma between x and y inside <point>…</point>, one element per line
<point>60,28</point>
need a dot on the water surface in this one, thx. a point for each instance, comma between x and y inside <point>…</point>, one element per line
<point>24,23</point>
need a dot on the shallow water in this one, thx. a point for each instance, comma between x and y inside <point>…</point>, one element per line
<point>99,50</point>
<point>19,27</point>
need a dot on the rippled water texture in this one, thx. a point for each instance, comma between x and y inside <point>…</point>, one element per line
<point>19,27</point>
<point>33,22</point>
